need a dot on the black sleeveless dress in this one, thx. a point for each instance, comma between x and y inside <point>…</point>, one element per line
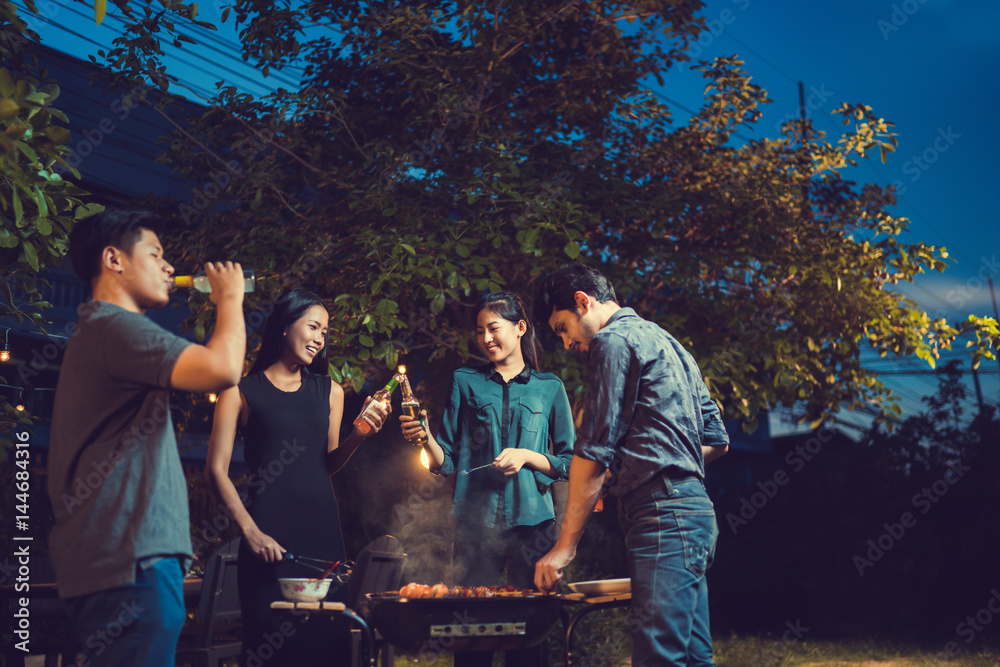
<point>290,497</point>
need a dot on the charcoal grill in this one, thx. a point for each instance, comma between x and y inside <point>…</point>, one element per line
<point>450,624</point>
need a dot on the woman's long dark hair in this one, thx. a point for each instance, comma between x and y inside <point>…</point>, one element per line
<point>510,307</point>
<point>291,305</point>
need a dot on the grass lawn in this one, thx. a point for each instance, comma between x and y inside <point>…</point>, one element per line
<point>766,652</point>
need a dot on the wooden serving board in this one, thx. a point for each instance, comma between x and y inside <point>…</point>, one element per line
<point>580,597</point>
<point>309,606</point>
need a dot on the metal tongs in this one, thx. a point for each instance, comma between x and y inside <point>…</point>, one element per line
<point>314,564</point>
<point>468,470</point>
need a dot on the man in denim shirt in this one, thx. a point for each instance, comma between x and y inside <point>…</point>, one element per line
<point>648,429</point>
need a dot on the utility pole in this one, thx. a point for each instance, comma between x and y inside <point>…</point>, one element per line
<point>805,138</point>
<point>995,315</point>
<point>979,388</point>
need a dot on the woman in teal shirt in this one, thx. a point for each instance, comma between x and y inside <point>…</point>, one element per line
<point>515,419</point>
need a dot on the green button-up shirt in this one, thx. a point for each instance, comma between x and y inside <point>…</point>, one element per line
<point>484,415</point>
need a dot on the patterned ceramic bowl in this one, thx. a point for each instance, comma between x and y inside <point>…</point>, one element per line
<point>304,590</point>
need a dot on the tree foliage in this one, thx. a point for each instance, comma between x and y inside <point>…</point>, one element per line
<point>37,206</point>
<point>439,149</point>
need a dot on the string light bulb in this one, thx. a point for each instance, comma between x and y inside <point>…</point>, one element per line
<point>213,397</point>
<point>425,459</point>
<point>5,353</point>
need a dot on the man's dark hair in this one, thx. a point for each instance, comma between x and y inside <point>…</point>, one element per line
<point>557,289</point>
<point>115,227</point>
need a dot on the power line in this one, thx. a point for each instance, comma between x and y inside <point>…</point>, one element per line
<point>247,78</point>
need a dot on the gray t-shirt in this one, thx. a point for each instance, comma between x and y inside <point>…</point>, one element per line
<point>115,479</point>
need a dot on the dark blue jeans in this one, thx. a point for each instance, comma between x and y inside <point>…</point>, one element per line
<point>670,533</point>
<point>135,625</point>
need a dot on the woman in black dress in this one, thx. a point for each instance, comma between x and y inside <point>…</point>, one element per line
<point>289,413</point>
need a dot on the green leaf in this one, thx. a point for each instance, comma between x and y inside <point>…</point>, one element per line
<point>437,303</point>
<point>58,135</point>
<point>572,249</point>
<point>29,152</point>
<point>366,340</point>
<point>18,207</point>
<point>43,207</point>
<point>43,226</point>
<point>30,255</point>
<point>8,107</point>
<point>87,210</point>
<point>6,84</point>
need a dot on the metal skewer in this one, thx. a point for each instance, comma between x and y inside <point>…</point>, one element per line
<point>468,470</point>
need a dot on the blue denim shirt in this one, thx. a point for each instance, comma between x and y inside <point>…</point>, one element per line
<point>535,411</point>
<point>648,411</point>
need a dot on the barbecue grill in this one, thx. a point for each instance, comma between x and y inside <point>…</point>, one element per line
<point>447,624</point>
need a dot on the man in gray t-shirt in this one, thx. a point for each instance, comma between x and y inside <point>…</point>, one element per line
<point>121,541</point>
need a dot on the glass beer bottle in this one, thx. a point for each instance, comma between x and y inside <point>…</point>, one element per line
<point>200,281</point>
<point>411,406</point>
<point>383,396</point>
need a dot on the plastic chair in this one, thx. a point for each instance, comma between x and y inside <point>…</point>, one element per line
<point>378,569</point>
<point>217,634</point>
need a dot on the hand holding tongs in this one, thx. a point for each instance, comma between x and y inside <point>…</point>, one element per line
<point>468,470</point>
<point>302,560</point>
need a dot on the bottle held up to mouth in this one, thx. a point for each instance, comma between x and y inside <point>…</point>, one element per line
<point>200,282</point>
